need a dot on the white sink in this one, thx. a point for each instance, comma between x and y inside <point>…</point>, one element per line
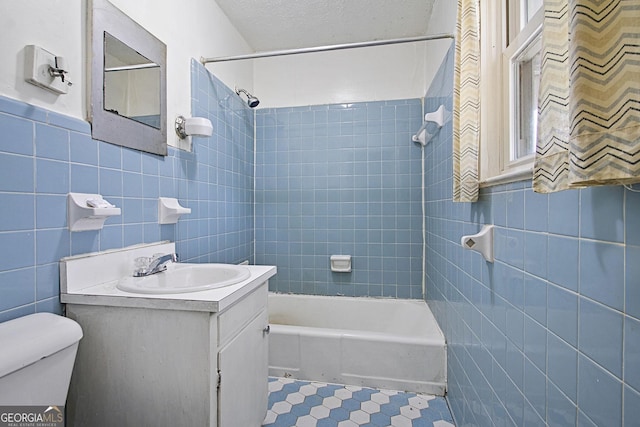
<point>184,277</point>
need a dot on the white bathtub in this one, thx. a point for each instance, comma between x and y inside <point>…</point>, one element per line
<point>382,343</point>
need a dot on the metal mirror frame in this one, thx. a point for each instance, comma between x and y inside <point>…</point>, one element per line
<point>107,126</point>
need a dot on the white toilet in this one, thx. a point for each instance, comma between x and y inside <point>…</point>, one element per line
<point>37,353</point>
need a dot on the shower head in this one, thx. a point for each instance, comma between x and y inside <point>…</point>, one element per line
<point>252,101</point>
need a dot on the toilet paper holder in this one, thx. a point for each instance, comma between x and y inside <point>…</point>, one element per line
<point>481,242</point>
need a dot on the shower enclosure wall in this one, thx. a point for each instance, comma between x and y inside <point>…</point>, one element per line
<point>340,179</point>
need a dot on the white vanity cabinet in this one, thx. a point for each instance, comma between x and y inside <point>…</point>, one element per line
<point>243,362</point>
<point>146,366</point>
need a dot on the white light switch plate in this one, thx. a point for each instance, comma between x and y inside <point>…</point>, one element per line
<point>36,70</point>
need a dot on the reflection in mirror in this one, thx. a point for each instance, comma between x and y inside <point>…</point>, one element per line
<point>128,104</point>
<point>131,83</point>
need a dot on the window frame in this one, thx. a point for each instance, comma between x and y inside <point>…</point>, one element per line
<point>523,42</point>
<point>497,90</point>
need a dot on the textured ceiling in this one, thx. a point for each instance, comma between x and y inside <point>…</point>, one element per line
<point>285,24</point>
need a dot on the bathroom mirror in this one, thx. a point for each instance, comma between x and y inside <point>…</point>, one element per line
<point>128,102</point>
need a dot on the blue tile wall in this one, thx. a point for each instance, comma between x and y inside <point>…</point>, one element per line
<point>340,179</point>
<point>44,155</point>
<point>548,333</point>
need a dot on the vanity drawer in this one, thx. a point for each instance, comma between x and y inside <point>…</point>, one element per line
<point>232,320</point>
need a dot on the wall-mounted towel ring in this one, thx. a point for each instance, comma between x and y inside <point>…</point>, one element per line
<point>481,242</point>
<point>169,210</point>
<point>437,117</point>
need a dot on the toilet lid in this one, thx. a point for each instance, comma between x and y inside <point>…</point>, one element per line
<point>27,339</point>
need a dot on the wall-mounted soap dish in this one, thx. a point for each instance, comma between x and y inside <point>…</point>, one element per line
<point>88,211</point>
<point>169,210</point>
<point>340,263</point>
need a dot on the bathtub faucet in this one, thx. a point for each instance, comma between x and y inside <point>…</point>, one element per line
<point>158,263</point>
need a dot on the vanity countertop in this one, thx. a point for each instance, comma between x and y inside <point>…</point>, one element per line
<point>211,300</point>
<point>91,279</point>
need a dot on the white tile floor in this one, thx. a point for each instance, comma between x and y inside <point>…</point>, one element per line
<point>312,404</point>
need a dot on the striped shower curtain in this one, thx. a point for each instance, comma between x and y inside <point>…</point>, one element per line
<point>589,104</point>
<point>466,103</point>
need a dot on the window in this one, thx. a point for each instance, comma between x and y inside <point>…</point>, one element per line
<point>511,45</point>
<point>521,80</point>
<point>519,13</point>
<point>526,75</point>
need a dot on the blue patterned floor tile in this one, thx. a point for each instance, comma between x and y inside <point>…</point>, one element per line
<point>295,403</point>
<point>421,422</point>
<point>326,422</point>
<point>300,409</point>
<point>401,398</point>
<point>313,400</point>
<point>351,405</point>
<point>364,394</point>
<point>276,396</point>
<point>328,390</point>
<point>292,387</point>
<point>391,409</point>
<point>285,420</point>
<point>381,419</point>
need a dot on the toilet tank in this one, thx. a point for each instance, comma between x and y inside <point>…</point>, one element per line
<point>37,353</point>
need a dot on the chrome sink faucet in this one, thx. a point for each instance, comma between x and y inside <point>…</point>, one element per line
<point>156,264</point>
